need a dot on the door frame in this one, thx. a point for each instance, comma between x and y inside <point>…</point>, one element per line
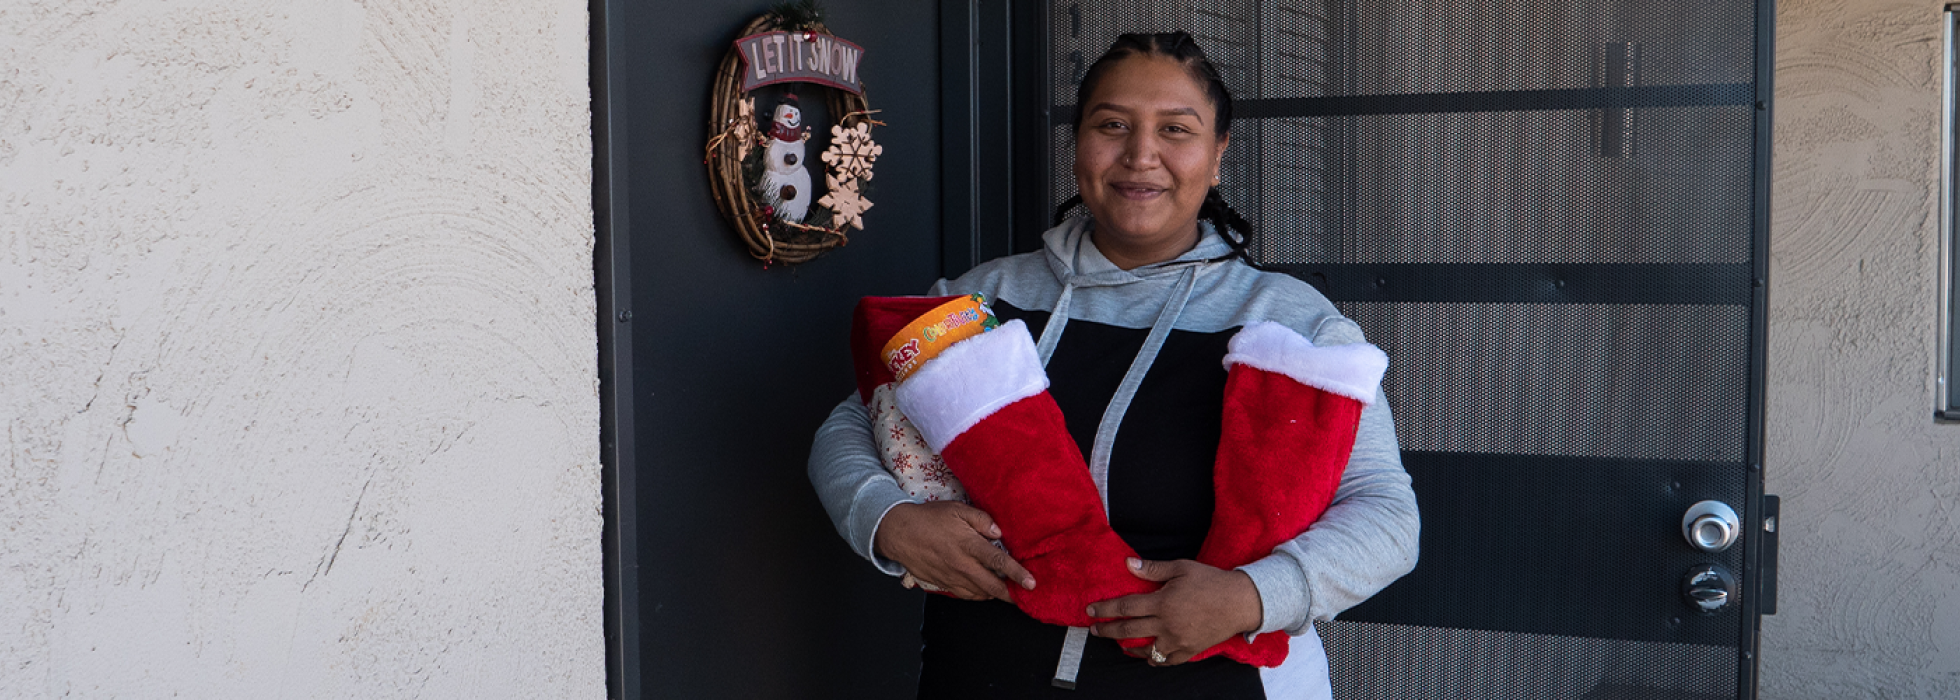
<point>987,48</point>
<point>613,287</point>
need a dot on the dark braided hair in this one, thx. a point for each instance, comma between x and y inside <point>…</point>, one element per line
<point>1180,47</point>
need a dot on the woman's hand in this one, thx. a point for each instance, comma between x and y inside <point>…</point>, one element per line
<point>1198,607</point>
<point>949,545</point>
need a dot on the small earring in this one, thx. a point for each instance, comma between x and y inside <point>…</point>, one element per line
<point>1215,180</point>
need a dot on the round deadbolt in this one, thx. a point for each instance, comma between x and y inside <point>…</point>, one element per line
<point>1711,526</point>
<point>1708,588</point>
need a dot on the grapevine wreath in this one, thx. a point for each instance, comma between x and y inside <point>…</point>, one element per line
<point>757,175</point>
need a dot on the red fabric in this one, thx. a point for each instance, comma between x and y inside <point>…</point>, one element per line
<point>1021,466</point>
<point>1281,453</point>
<point>874,323</point>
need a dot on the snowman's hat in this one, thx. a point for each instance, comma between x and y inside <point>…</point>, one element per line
<point>779,129</point>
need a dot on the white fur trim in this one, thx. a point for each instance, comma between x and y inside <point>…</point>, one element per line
<point>1354,371</point>
<point>970,381</point>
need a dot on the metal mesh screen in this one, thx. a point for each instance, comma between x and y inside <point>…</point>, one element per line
<point>1411,46</point>
<point>1507,187</point>
<point>1408,150</point>
<point>1416,663</point>
<point>1585,380</point>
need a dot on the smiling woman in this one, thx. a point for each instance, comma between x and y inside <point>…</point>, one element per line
<point>1219,410</point>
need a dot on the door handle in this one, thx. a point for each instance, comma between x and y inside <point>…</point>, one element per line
<point>1711,526</point>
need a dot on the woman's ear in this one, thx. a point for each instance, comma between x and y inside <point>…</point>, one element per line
<point>1218,162</point>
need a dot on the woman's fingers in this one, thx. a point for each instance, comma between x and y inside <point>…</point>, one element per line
<point>959,572</point>
<point>965,582</point>
<point>1139,605</point>
<point>1199,606</point>
<point>1003,566</point>
<point>1172,652</point>
<point>977,519</point>
<point>1132,628</point>
<point>979,576</point>
<point>949,545</point>
<point>987,553</point>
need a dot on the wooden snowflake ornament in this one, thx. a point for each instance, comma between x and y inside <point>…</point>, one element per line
<point>845,203</point>
<point>852,152</point>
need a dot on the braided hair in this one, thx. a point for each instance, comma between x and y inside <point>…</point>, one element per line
<point>1180,47</point>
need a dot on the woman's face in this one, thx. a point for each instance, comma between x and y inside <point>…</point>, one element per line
<point>1146,151</point>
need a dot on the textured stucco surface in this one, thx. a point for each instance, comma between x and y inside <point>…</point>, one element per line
<point>1870,589</point>
<point>297,355</point>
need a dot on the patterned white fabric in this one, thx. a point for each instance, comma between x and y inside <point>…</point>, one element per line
<point>911,461</point>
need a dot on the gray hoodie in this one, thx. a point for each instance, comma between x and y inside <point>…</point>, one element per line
<point>1366,539</point>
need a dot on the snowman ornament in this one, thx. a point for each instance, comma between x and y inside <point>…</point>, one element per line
<point>785,182</point>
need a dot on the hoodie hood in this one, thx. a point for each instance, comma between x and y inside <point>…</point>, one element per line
<point>1077,262</point>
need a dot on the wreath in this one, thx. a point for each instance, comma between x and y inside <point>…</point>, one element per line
<point>777,216</point>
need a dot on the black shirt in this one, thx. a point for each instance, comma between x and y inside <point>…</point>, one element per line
<point>1161,499</point>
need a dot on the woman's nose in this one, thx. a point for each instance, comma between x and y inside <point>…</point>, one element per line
<point>1139,150</point>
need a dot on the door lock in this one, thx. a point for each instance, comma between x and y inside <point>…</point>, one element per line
<point>1709,588</point>
<point>1711,526</point>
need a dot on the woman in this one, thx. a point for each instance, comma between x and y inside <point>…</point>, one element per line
<point>1134,306</point>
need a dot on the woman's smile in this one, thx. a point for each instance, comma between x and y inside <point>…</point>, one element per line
<point>1137,191</point>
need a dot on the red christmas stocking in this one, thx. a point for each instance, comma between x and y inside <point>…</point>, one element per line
<point>1291,411</point>
<point>983,405</point>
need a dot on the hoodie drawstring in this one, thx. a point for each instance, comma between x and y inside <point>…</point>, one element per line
<point>1070,662</point>
<point>1051,333</point>
<point>1120,403</point>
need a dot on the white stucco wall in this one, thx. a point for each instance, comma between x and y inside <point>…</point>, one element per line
<point>1870,589</point>
<point>297,354</point>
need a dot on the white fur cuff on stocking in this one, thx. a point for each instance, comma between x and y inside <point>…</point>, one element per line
<point>970,381</point>
<point>1354,371</point>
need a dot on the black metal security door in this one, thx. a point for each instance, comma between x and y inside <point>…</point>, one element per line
<point>1553,216</point>
<point>724,576</point>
